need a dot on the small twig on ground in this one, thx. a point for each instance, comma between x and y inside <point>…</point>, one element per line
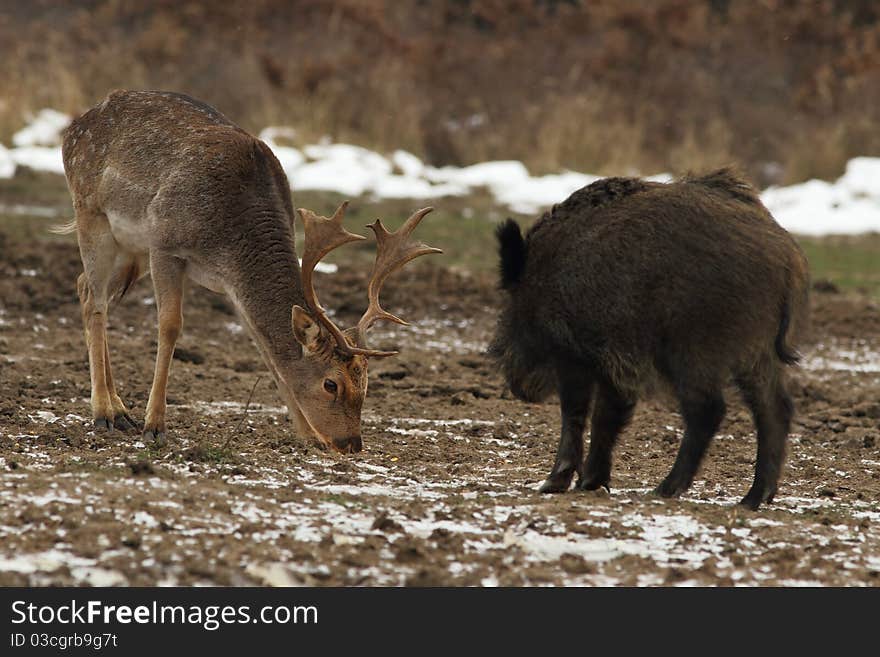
<point>244,415</point>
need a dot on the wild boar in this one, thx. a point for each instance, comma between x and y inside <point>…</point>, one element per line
<point>629,287</point>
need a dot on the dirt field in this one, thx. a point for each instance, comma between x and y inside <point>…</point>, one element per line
<point>445,491</point>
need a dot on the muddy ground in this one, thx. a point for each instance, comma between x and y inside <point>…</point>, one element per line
<point>445,490</point>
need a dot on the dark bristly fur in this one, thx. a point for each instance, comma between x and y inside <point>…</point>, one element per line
<point>513,252</point>
<point>628,285</point>
<point>786,354</point>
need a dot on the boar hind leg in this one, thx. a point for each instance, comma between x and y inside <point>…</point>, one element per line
<point>574,401</point>
<point>772,410</point>
<point>611,414</point>
<point>702,414</point>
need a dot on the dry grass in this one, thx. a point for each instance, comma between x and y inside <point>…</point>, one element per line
<point>789,89</point>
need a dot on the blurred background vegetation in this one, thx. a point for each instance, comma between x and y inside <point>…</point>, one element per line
<point>789,89</point>
<point>786,89</point>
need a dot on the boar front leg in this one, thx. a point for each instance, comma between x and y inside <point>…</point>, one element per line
<point>575,390</point>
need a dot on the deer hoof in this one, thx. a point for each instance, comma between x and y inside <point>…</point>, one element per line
<point>156,436</point>
<point>125,422</point>
<point>104,423</point>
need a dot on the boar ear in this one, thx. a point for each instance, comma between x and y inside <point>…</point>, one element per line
<point>306,330</point>
<point>512,249</point>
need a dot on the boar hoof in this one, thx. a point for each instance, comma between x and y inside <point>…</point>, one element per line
<point>593,483</point>
<point>555,484</point>
<point>668,488</point>
<point>750,502</point>
<point>756,497</point>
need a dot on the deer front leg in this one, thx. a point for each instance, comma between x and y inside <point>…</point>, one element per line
<point>167,272</point>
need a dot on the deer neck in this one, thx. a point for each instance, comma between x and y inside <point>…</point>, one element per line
<point>264,287</point>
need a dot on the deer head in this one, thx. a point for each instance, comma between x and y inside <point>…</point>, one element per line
<point>331,377</point>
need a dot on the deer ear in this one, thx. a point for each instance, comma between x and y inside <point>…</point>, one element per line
<point>306,330</point>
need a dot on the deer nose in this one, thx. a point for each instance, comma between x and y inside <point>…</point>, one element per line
<point>348,445</point>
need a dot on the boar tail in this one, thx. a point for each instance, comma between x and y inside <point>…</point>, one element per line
<point>512,249</point>
<point>786,353</point>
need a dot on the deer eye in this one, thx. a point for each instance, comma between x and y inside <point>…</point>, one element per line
<point>330,386</point>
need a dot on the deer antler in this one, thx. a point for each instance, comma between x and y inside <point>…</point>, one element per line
<point>393,251</point>
<point>322,236</point>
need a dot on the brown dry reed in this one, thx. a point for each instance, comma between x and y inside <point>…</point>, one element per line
<point>789,89</point>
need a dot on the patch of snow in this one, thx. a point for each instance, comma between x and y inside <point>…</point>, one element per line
<point>844,360</point>
<point>414,491</point>
<point>324,267</point>
<point>551,548</point>
<point>20,208</point>
<point>44,416</point>
<point>7,164</point>
<point>273,574</point>
<point>409,164</point>
<point>38,158</point>
<point>224,407</point>
<point>48,498</point>
<point>145,519</point>
<point>849,205</point>
<point>531,195</point>
<point>47,561</point>
<point>664,539</point>
<point>93,576</point>
<point>44,129</point>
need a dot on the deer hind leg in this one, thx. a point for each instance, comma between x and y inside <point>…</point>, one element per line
<point>168,273</point>
<point>99,252</point>
<point>122,418</point>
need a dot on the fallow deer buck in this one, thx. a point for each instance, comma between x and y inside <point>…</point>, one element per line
<point>167,185</point>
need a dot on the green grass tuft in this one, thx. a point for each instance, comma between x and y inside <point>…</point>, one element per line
<point>852,263</point>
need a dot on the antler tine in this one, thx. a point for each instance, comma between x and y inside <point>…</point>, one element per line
<point>322,236</point>
<point>393,251</point>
